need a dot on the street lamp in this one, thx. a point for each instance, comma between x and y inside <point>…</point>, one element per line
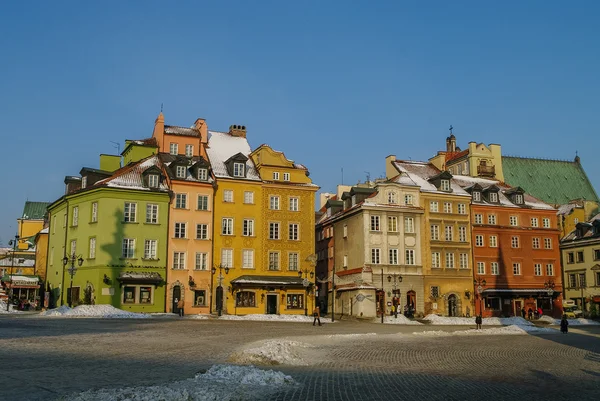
<point>306,284</point>
<point>219,302</point>
<point>72,270</point>
<point>549,286</point>
<point>480,283</point>
<point>14,243</point>
<point>397,279</point>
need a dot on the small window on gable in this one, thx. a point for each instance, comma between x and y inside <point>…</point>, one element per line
<point>239,169</point>
<point>286,176</point>
<point>83,182</point>
<point>518,199</point>
<point>445,185</point>
<point>275,175</point>
<point>180,172</point>
<point>476,196</point>
<point>153,180</point>
<point>493,197</point>
<point>203,174</point>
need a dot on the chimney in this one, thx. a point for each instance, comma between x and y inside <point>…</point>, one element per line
<point>237,130</point>
<point>201,126</point>
<point>159,131</point>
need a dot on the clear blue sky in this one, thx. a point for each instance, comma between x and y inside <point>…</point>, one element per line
<point>333,85</point>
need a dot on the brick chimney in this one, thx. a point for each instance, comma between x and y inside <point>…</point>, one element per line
<point>159,131</point>
<point>202,127</point>
<point>237,130</point>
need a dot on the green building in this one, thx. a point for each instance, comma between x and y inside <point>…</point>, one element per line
<point>114,221</point>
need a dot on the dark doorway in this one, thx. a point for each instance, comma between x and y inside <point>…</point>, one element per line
<point>452,305</point>
<point>411,299</point>
<point>219,300</point>
<point>380,302</point>
<point>271,304</point>
<point>176,298</point>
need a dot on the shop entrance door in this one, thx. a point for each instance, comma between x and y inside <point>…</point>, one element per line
<point>271,304</point>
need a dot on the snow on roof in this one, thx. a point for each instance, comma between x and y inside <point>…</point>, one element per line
<point>131,176</point>
<point>24,279</point>
<point>44,231</point>
<point>564,210</point>
<point>183,131</point>
<point>19,262</point>
<point>421,172</point>
<point>221,146</point>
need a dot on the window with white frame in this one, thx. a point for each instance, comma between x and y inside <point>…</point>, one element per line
<point>151,213</point>
<point>180,230</point>
<point>449,233</point>
<point>345,232</point>
<point>248,197</point>
<point>537,269</point>
<point>75,221</point>
<point>84,182</point>
<point>480,267</point>
<point>228,195</point>
<point>408,199</point>
<point>227,257</point>
<point>548,243</point>
<point>286,176</point>
<point>248,228</point>
<point>274,202</point>
<point>435,260</point>
<point>434,206</point>
<point>493,197</point>
<point>202,174</point>
<point>477,196</point>
<point>535,243</point>
<point>546,222</point>
<point>445,185</point>
<point>73,247</point>
<point>275,176</point>
<point>534,222</point>
<point>202,203</point>
<point>345,261</point>
<point>189,150</point>
<point>273,230</point>
<point>462,234</point>
<point>409,257</point>
<point>294,205</point>
<point>201,231</point>
<point>293,231</point>
<point>478,218</point>
<point>179,260</point>
<point>447,207</point>
<point>130,212</point>
<point>201,261</point>
<point>514,241</point>
<point>462,208</point>
<point>516,269</point>
<point>491,219</point>
<point>181,172</point>
<point>493,241</point>
<point>519,199</point>
<point>180,201</point>
<point>435,232</point>
<point>464,260</point>
<point>392,224</point>
<point>128,248</point>
<point>273,260</point>
<point>495,268</point>
<point>293,261</point>
<point>409,225</point>
<point>514,221</point>
<point>227,226</point>
<point>392,198</point>
<point>150,249</point>
<point>449,260</point>
<point>173,148</point>
<point>239,169</point>
<point>375,256</point>
<point>549,269</point>
<point>393,256</point>
<point>248,258</point>
<point>92,251</point>
<point>479,240</point>
<point>94,213</point>
<point>375,223</point>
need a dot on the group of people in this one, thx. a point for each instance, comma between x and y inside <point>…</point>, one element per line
<point>531,313</point>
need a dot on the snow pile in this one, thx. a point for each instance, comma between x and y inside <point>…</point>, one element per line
<point>200,317</point>
<point>220,382</point>
<point>350,335</point>
<point>508,330</point>
<point>488,321</point>
<point>11,309</point>
<point>99,311</point>
<point>272,352</point>
<point>270,318</point>
<point>401,319</point>
<point>572,322</point>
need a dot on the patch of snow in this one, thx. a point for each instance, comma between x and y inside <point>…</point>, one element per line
<point>221,146</point>
<point>355,335</point>
<point>220,382</point>
<point>198,317</point>
<point>508,330</point>
<point>98,311</point>
<point>271,318</point>
<point>272,352</point>
<point>488,321</point>
<point>401,319</point>
<point>572,322</point>
<point>10,310</point>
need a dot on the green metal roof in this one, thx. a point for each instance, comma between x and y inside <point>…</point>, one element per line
<point>552,181</point>
<point>34,210</point>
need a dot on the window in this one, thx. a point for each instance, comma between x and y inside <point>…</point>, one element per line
<point>294,204</point>
<point>275,176</point>
<point>495,268</point>
<point>536,243</point>
<point>248,197</point>
<point>477,196</point>
<point>480,267</point>
<point>273,260</point>
<point>582,282</point>
<point>447,207</point>
<point>129,294</point>
<point>434,291</point>
<point>274,203</point>
<point>248,228</point>
<point>546,222</point>
<point>549,269</point>
<point>345,261</point>
<point>435,232</point>
<point>572,281</point>
<point>537,269</point>
<point>273,230</point>
<point>493,303</point>
<point>445,185</point>
<point>293,261</point>
<point>493,197</point>
<point>409,225</point>
<point>514,242</point>
<point>393,256</point>
<point>393,224</point>
<point>75,216</point>
<point>227,226</point>
<point>479,240</point>
<point>128,248</point>
<point>130,211</point>
<point>92,252</point>
<point>181,172</point>
<point>151,213</point>
<point>464,260</point>
<point>449,261</point>
<point>514,221</point>
<point>94,212</point>
<point>173,148</point>
<point>202,203</point>
<point>409,257</point>
<point>596,254</point>
<point>575,220</point>
<point>189,150</point>
<point>83,182</point>
<point>153,181</point>
<point>228,195</point>
<point>491,219</point>
<point>534,222</point>
<point>433,206</point>
<point>516,269</point>
<point>345,231</point>
<point>238,169</point>
<point>478,219</point>
<point>248,259</point>
<point>519,199</point>
<point>295,301</point>
<point>180,230</point>
<point>375,256</point>
<point>293,231</point>
<point>201,261</point>
<point>286,176</point>
<point>199,298</point>
<point>227,258</point>
<point>392,198</point>
<point>65,220</point>
<point>201,231</point>
<point>375,223</point>
<point>178,260</point>
<point>570,257</point>
<point>150,249</point>
<point>435,260</point>
<point>202,174</point>
<point>408,199</point>
<point>448,233</point>
<point>180,201</point>
<point>462,208</point>
<point>245,299</point>
<point>597,279</point>
<point>579,255</point>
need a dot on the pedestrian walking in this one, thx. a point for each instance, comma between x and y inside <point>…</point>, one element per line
<point>523,312</point>
<point>478,321</point>
<point>180,307</point>
<point>530,313</point>
<point>564,325</point>
<point>540,312</point>
<point>317,316</point>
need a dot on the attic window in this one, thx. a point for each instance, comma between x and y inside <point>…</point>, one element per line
<point>392,198</point>
<point>153,181</point>
<point>173,148</point>
<point>83,182</point>
<point>476,196</point>
<point>493,197</point>
<point>286,176</point>
<point>238,169</point>
<point>518,199</point>
<point>276,176</point>
<point>181,170</point>
<point>202,174</point>
<point>445,185</point>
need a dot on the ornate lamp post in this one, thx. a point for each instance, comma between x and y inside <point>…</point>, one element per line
<point>397,279</point>
<point>479,283</point>
<point>306,283</point>
<point>14,243</point>
<point>219,302</point>
<point>72,270</point>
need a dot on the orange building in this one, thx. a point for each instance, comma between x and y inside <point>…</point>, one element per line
<point>516,255</point>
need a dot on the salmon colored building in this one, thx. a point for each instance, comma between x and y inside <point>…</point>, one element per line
<point>516,255</point>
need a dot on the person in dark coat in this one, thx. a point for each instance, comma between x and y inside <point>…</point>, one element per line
<point>478,321</point>
<point>530,313</point>
<point>564,325</point>
<point>317,316</point>
<point>523,312</point>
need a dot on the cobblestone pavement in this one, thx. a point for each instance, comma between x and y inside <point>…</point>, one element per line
<point>45,358</point>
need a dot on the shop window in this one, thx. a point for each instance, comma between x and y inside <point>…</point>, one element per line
<point>145,295</point>
<point>129,295</point>
<point>72,293</point>
<point>199,298</point>
<point>295,301</point>
<point>245,299</point>
<point>493,303</point>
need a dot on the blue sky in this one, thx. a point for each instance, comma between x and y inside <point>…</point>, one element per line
<point>332,84</point>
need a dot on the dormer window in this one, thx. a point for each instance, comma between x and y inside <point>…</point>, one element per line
<point>392,198</point>
<point>493,197</point>
<point>238,169</point>
<point>181,172</point>
<point>518,199</point>
<point>153,181</point>
<point>477,196</point>
<point>445,185</point>
<point>275,176</point>
<point>83,182</point>
<point>202,174</point>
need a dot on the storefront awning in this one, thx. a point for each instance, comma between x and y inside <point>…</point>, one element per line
<point>519,291</point>
<point>20,281</point>
<point>269,281</point>
<point>140,278</point>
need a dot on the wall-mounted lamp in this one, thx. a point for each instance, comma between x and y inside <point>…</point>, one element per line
<point>262,298</point>
<point>191,281</point>
<point>467,294</point>
<point>106,279</point>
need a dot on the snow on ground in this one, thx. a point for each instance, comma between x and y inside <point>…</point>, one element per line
<point>572,322</point>
<point>272,352</point>
<point>488,321</point>
<point>507,330</point>
<point>11,310</point>
<point>355,335</point>
<point>401,319</point>
<point>220,382</point>
<point>272,318</point>
<point>98,311</point>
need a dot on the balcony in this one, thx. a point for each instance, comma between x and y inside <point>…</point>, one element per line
<point>486,171</point>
